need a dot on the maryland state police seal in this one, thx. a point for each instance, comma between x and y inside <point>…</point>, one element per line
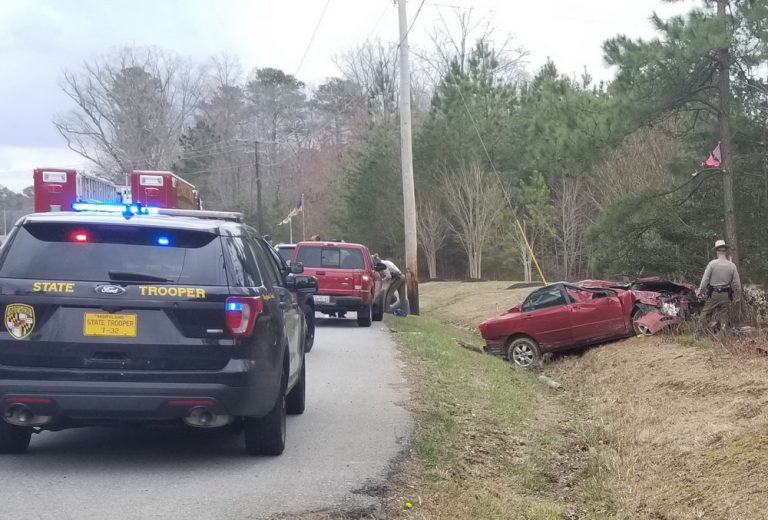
<point>19,320</point>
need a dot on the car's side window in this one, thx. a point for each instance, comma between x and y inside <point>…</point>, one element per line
<point>579,295</point>
<point>282,264</point>
<point>246,270</point>
<point>547,297</point>
<point>269,268</point>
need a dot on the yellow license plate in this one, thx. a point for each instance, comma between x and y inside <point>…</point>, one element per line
<point>113,325</point>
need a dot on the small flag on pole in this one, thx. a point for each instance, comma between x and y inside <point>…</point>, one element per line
<point>713,160</point>
<point>295,211</point>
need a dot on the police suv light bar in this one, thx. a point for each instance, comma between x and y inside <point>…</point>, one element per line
<point>129,210</point>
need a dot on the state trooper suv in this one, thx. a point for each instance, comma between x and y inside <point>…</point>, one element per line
<point>123,316</point>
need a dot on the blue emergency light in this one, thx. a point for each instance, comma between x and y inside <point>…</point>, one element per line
<point>163,241</point>
<point>127,210</point>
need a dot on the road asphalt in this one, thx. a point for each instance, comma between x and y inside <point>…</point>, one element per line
<point>354,427</point>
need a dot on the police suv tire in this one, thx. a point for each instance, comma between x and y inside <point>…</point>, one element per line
<point>296,400</point>
<point>13,439</point>
<point>266,435</point>
<point>365,316</point>
<point>309,334</point>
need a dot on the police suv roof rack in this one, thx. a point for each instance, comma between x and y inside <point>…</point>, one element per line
<point>199,213</point>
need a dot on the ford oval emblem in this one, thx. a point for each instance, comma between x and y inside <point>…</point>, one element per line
<point>112,290</point>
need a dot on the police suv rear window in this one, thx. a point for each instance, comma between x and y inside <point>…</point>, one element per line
<point>331,257</point>
<point>124,253</point>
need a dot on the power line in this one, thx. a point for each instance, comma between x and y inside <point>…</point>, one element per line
<point>312,39</point>
<point>376,25</point>
<point>411,25</point>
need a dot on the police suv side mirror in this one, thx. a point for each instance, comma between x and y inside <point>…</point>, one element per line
<point>297,268</point>
<point>380,266</point>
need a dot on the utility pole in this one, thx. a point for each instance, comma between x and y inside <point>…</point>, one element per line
<point>259,212</point>
<point>406,157</point>
<point>724,123</point>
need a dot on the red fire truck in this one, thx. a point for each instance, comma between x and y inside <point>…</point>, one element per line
<point>163,190</point>
<point>56,189</point>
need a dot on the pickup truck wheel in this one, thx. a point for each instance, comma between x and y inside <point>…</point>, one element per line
<point>523,352</point>
<point>296,399</point>
<point>266,435</point>
<point>365,316</point>
<point>378,312</point>
<point>13,439</point>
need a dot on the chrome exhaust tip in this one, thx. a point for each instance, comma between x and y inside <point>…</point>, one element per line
<point>20,415</point>
<point>202,417</point>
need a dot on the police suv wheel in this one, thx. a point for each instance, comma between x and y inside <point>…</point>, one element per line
<point>13,439</point>
<point>266,435</point>
<point>296,399</point>
<point>309,333</point>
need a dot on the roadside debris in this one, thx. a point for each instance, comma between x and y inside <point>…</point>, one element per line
<point>525,285</point>
<point>469,346</point>
<point>550,382</point>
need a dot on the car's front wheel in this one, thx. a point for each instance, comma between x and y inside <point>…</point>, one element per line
<point>365,316</point>
<point>13,439</point>
<point>640,329</point>
<point>523,352</point>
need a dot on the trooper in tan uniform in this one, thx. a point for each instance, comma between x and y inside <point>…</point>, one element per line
<point>721,286</point>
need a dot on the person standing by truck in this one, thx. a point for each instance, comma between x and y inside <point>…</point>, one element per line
<point>397,277</point>
<point>721,286</point>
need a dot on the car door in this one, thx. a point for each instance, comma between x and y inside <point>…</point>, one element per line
<point>287,302</point>
<point>595,315</point>
<point>546,318</point>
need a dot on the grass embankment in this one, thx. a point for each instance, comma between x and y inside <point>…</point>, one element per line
<point>493,442</point>
<point>647,428</point>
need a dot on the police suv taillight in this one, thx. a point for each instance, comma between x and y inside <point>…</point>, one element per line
<point>241,314</point>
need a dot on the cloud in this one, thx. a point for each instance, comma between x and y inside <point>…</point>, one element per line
<point>17,163</point>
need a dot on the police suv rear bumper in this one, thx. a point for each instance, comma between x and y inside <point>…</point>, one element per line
<point>137,400</point>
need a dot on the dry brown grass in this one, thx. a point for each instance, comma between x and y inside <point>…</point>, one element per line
<point>466,304</point>
<point>675,432</point>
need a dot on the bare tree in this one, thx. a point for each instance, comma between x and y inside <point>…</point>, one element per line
<point>455,37</point>
<point>432,229</point>
<point>571,201</point>
<point>131,109</point>
<point>373,68</point>
<point>474,199</point>
<point>640,162</point>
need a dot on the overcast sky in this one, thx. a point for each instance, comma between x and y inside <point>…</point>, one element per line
<point>40,38</point>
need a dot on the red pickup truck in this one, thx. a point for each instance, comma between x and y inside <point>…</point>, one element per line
<point>347,279</point>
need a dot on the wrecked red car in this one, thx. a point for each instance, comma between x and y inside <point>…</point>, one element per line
<point>561,316</point>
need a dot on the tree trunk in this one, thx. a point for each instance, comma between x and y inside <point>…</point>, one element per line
<point>724,120</point>
<point>432,264</point>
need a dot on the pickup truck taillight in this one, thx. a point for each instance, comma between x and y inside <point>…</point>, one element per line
<point>357,281</point>
<point>241,314</point>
